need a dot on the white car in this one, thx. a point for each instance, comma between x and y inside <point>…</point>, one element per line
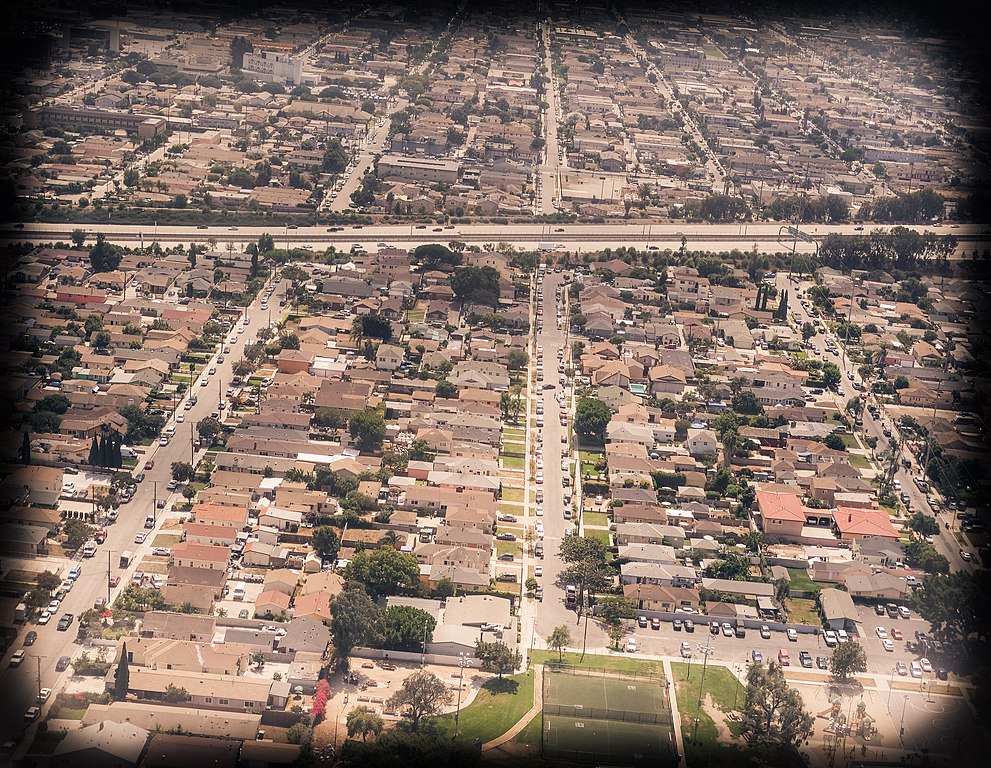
<point>139,538</point>
<point>45,617</point>
<point>916,669</point>
<point>686,651</point>
<point>882,633</point>
<point>926,665</point>
<point>538,571</point>
<point>540,511</point>
<point>180,417</point>
<point>792,635</point>
<point>53,606</point>
<point>44,693</point>
<point>631,645</point>
<point>888,645</point>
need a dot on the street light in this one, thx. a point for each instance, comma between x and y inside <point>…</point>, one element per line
<point>464,660</point>
<point>901,728</point>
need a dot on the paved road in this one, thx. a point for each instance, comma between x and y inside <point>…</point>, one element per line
<point>21,684</point>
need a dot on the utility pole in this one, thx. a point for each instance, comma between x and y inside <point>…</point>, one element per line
<point>154,508</point>
<point>109,564</point>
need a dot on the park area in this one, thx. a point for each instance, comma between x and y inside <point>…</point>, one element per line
<point>592,717</point>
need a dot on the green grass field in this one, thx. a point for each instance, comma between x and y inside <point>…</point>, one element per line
<point>512,494</point>
<point>513,462</point>
<point>802,611</point>
<point>596,518</point>
<point>602,536</point>
<point>596,661</point>
<point>724,689</point>
<point>496,708</point>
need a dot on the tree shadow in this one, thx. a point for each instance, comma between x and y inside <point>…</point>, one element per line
<point>505,685</point>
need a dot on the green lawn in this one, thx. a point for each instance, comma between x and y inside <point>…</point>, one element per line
<point>590,456</point>
<point>802,611</point>
<point>801,580</point>
<point>602,536</point>
<point>166,540</point>
<point>514,462</point>
<point>596,661</point>
<point>496,708</point>
<point>850,441</point>
<point>596,518</point>
<point>531,735</point>
<point>514,434</point>
<point>858,461</point>
<point>510,509</point>
<point>512,494</point>
<point>502,547</point>
<point>721,686</point>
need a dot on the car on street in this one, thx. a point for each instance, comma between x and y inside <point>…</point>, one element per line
<point>44,618</point>
<point>140,477</point>
<point>65,622</point>
<point>686,651</point>
<point>114,581</point>
<point>62,664</point>
<point>757,656</point>
<point>32,714</point>
<point>965,555</point>
<point>18,658</point>
<point>74,572</point>
<point>538,571</point>
<point>149,465</point>
<point>54,605</point>
<point>901,668</point>
<point>43,694</point>
<point>139,538</point>
<point>30,637</point>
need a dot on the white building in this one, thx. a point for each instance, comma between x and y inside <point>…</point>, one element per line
<point>273,67</point>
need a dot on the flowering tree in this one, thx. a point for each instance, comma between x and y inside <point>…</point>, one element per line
<point>320,699</point>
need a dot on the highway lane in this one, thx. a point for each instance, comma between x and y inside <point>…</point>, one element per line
<point>21,683</point>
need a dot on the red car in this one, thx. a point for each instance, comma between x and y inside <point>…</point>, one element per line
<point>114,581</point>
<point>896,634</point>
<point>150,464</point>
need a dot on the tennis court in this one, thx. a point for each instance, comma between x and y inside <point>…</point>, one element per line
<point>615,720</point>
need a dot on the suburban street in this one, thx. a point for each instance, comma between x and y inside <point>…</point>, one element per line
<point>22,683</point>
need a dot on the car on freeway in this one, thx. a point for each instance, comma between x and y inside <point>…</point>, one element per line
<point>756,656</point>
<point>901,668</point>
<point>686,651</point>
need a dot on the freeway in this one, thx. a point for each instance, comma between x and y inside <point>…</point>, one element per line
<point>38,670</point>
<point>578,237</point>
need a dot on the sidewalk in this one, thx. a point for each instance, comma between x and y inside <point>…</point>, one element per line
<point>523,722</point>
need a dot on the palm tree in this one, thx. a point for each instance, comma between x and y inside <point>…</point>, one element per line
<point>357,331</point>
<point>731,441</point>
<point>389,538</point>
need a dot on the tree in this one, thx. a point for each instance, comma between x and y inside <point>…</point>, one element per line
<point>923,555</point>
<point>320,698</point>
<point>773,712</point>
<point>422,694</point>
<point>76,533</point>
<point>591,417</point>
<point>847,658</point>
<point>103,256</point>
<point>48,581</point>
<point>325,542</point>
<point>26,449</point>
<point>174,694</point>
<point>405,628</point>
<point>384,571</point>
<point>558,639</point>
<point>923,524</point>
<point>367,429</point>
<point>497,657</point>
<point>517,360</point>
<point>446,389</point>
<point>78,237</point>
<point>435,255</point>
<point>182,472</point>
<point>746,402</point>
<point>476,285</point>
<point>209,428</point>
<point>831,375</point>
<point>335,157</point>
<point>355,620</point>
<point>376,326</point>
<point>834,442</point>
<point>362,721</point>
<point>297,733</point>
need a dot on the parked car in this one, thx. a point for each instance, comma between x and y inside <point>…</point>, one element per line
<point>32,636</point>
<point>62,664</point>
<point>805,658</point>
<point>686,651</point>
<point>655,623</point>
<point>757,656</point>
<point>822,662</point>
<point>792,635</point>
<point>631,645</point>
<point>901,668</point>
<point>642,621</point>
<point>765,632</point>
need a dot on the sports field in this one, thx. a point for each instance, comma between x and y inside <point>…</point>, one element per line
<point>596,718</point>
